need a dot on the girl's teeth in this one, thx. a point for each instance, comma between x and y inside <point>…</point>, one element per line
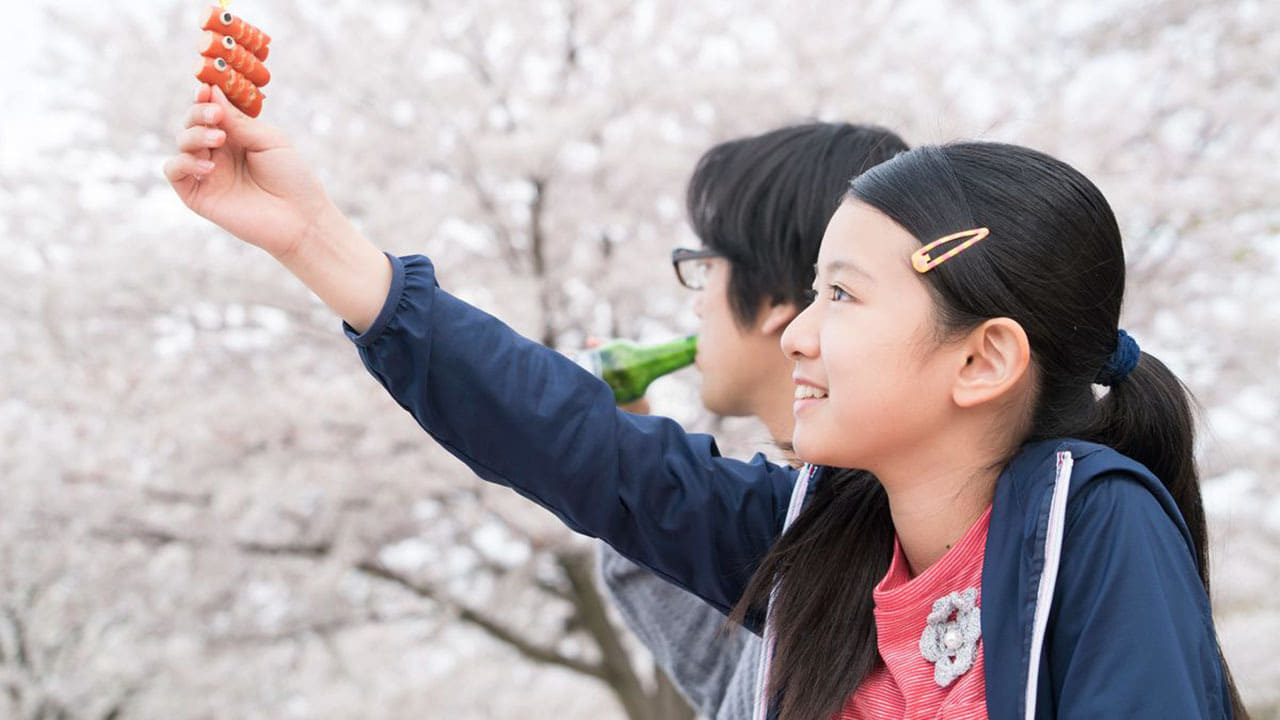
<point>808,391</point>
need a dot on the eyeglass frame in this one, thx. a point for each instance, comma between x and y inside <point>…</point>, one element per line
<point>680,255</point>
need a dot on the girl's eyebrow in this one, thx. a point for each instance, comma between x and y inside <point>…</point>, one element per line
<point>838,266</point>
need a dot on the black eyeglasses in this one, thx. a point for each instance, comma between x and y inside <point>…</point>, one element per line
<point>692,266</point>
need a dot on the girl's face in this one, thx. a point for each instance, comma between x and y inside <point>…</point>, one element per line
<point>871,378</point>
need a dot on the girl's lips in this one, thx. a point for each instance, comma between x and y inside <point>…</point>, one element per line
<point>802,405</point>
<point>808,395</point>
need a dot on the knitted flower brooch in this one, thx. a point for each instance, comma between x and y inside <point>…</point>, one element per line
<point>952,645</point>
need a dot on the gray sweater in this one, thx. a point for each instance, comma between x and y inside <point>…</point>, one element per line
<point>714,666</point>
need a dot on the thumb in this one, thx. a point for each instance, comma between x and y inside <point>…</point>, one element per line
<point>253,134</point>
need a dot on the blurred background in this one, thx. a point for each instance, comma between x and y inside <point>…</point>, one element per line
<point>209,510</point>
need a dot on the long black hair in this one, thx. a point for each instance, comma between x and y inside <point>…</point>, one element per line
<point>763,202</point>
<point>1054,262</point>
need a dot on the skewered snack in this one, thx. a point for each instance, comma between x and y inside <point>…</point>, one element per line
<point>253,39</point>
<point>232,52</point>
<point>214,45</point>
<point>242,93</point>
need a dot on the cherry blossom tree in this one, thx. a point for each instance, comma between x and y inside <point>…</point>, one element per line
<point>211,510</point>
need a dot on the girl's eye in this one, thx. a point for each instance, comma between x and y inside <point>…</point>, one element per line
<point>837,294</point>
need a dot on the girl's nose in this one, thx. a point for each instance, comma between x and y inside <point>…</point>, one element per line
<point>800,339</point>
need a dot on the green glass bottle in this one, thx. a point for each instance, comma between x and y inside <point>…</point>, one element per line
<point>629,368</point>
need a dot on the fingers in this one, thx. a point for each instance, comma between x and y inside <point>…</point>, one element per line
<point>195,141</point>
<point>208,124</point>
<point>200,137</point>
<point>205,113</point>
<point>251,134</point>
<point>181,167</point>
<point>636,407</point>
<point>212,107</point>
<point>233,112</point>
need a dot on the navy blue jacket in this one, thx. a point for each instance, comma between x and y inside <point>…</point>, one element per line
<point>1129,633</point>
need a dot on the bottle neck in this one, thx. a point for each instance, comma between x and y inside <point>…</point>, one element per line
<point>659,360</point>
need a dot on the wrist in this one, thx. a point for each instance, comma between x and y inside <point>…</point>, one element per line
<point>341,266</point>
<point>314,227</point>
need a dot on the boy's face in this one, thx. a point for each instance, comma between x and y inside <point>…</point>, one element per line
<point>737,363</point>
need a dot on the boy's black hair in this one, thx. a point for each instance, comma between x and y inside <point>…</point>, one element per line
<point>764,201</point>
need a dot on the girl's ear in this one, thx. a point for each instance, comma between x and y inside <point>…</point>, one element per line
<point>997,358</point>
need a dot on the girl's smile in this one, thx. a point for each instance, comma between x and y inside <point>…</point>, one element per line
<point>808,395</point>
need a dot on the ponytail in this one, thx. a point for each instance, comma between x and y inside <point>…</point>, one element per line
<point>1147,415</point>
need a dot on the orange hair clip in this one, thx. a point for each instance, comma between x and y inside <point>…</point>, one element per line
<point>921,261</point>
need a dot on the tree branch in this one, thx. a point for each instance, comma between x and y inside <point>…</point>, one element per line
<point>529,649</point>
<point>579,566</point>
<point>315,549</point>
<point>321,628</point>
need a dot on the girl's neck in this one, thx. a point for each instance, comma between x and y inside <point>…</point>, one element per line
<point>933,510</point>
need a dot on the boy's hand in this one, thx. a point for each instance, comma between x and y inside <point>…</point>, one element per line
<point>243,175</point>
<point>639,406</point>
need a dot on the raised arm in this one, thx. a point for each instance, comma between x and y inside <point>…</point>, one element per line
<point>518,413</point>
<point>525,416</point>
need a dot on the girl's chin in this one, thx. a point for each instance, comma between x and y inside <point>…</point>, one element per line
<point>810,449</point>
<point>831,450</point>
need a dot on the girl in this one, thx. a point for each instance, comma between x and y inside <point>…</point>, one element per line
<point>1017,548</point>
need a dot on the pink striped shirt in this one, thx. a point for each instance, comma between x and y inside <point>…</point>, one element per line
<point>902,684</point>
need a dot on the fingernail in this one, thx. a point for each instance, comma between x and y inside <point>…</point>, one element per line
<point>213,135</point>
<point>204,165</point>
<point>209,115</point>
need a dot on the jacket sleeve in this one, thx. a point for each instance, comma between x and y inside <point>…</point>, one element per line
<point>1133,635</point>
<point>710,662</point>
<point>524,416</point>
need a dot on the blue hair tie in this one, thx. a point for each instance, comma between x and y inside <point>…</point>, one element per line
<point>1122,361</point>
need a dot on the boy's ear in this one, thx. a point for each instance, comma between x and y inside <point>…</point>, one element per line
<point>996,359</point>
<point>774,318</point>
